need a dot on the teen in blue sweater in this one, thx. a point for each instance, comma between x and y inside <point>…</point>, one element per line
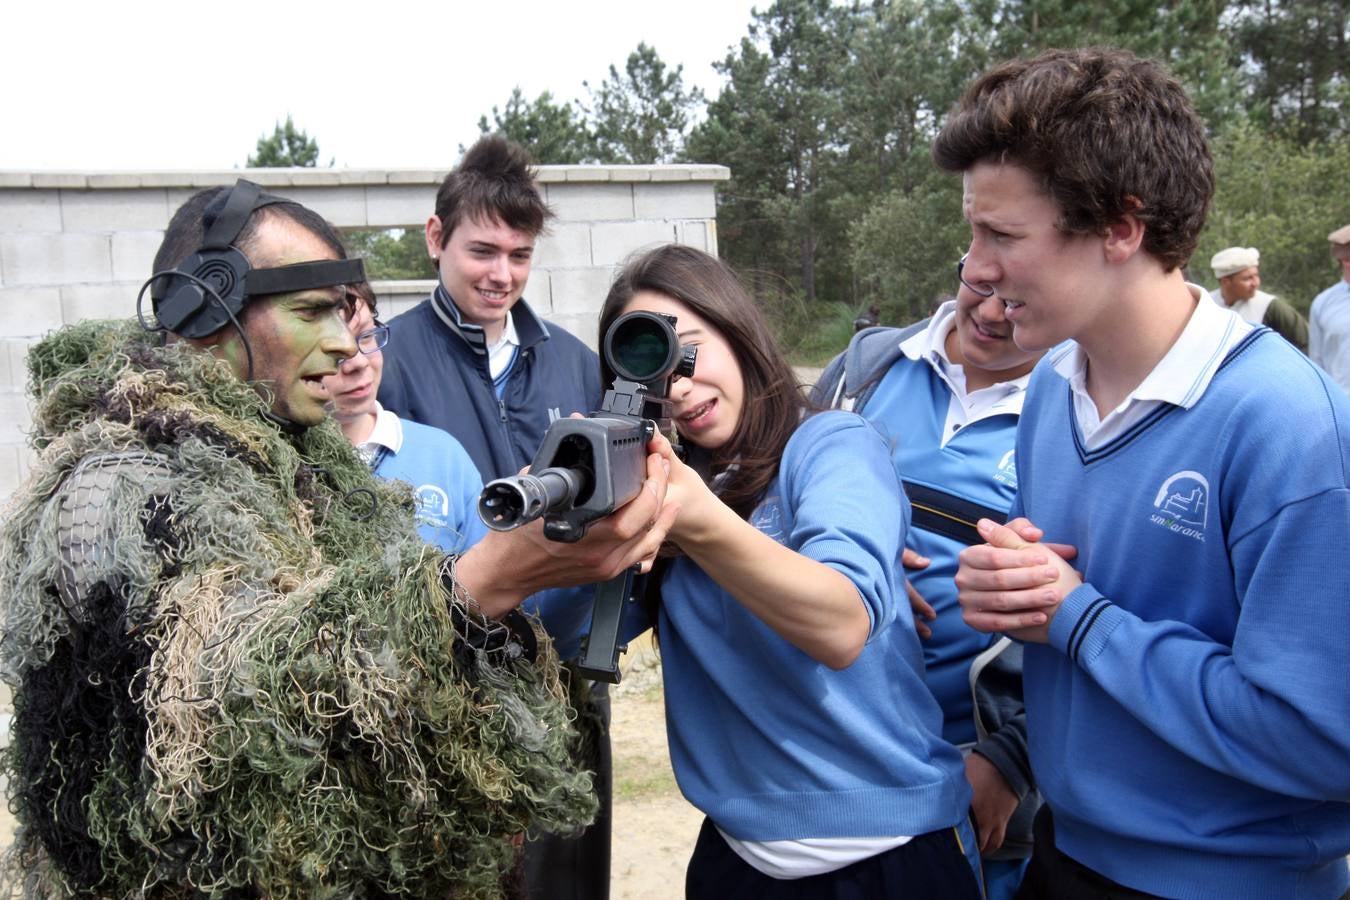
<point>798,717</point>
<point>947,393</point>
<point>1186,687</point>
<point>444,480</point>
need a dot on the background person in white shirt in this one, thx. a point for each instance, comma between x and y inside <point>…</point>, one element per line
<point>1329,331</point>
<point>1239,272</point>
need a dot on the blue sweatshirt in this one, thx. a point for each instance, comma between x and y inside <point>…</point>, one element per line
<point>444,482</point>
<point>975,469</point>
<point>1190,719</point>
<point>773,745</point>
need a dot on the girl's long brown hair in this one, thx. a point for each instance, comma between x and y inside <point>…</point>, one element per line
<point>773,404</point>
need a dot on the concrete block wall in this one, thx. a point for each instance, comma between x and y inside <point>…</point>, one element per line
<point>76,246</point>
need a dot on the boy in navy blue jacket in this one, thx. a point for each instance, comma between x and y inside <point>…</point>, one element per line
<point>474,360</point>
<point>1187,715</point>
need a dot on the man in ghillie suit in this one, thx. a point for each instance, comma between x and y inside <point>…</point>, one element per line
<point>236,669</point>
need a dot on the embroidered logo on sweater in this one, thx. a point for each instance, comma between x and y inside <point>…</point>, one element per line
<point>1007,470</point>
<point>1182,504</point>
<point>433,505</point>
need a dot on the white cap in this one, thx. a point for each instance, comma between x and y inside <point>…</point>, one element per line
<point>1234,259</point>
<point>1340,235</point>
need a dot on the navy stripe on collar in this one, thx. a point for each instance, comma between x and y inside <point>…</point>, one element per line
<point>530,329</point>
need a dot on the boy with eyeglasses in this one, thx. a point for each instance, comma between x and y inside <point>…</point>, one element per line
<point>444,480</point>
<point>948,392</point>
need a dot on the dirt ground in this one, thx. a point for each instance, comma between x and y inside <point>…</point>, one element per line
<point>654,828</point>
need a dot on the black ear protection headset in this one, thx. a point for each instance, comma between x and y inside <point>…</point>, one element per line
<point>207,290</point>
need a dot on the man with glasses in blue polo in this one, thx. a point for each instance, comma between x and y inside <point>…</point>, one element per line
<point>948,392</point>
<point>444,480</point>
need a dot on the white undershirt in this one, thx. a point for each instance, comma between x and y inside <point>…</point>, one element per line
<point>1179,378</point>
<point>501,353</point>
<point>963,408</point>
<point>809,856</point>
<point>387,434</point>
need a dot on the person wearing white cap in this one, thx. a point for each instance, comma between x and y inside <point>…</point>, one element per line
<point>1239,272</point>
<point>1329,334</point>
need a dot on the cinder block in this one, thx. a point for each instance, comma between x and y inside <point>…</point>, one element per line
<point>396,306</point>
<point>583,327</point>
<point>432,177</point>
<point>217,178</point>
<point>709,173</point>
<point>37,259</point>
<point>614,242</point>
<point>109,180</point>
<point>177,196</point>
<point>344,206</point>
<point>363,176</point>
<point>15,373</point>
<point>60,180</point>
<point>27,459</point>
<point>694,234</point>
<point>115,210</point>
<point>630,174</point>
<point>674,200</point>
<point>101,301</point>
<point>29,312</point>
<point>10,475</point>
<point>567,245</point>
<point>588,173</point>
<point>580,292</point>
<point>400,206</point>
<point>133,254</point>
<point>15,423</point>
<point>16,179</point>
<point>574,202</point>
<point>538,293</point>
<point>30,210</point>
<point>670,173</point>
<point>314,176</point>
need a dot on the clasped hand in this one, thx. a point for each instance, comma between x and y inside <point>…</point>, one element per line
<point>1014,583</point>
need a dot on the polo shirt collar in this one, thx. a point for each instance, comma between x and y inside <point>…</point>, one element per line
<point>1183,374</point>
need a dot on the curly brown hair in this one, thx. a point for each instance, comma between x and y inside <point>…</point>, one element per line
<point>1105,132</point>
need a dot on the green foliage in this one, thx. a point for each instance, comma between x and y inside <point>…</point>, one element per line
<point>554,133</point>
<point>1281,198</point>
<point>391,254</point>
<point>640,115</point>
<point>1297,54</point>
<point>286,146</point>
<point>906,247</point>
<point>828,111</point>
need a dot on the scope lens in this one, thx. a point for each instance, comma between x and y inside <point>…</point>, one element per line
<point>641,349</point>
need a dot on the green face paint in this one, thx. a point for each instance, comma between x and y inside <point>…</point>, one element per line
<point>297,339</point>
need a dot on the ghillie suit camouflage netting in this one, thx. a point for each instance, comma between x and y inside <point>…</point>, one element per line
<point>234,666</point>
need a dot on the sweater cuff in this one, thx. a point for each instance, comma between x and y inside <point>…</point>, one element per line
<point>1082,623</point>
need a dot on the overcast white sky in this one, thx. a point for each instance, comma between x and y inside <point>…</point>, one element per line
<point>192,85</point>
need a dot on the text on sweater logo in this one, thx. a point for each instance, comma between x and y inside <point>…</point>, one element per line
<point>1182,504</point>
<point>1007,470</point>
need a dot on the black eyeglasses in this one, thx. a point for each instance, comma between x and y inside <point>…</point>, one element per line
<point>983,288</point>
